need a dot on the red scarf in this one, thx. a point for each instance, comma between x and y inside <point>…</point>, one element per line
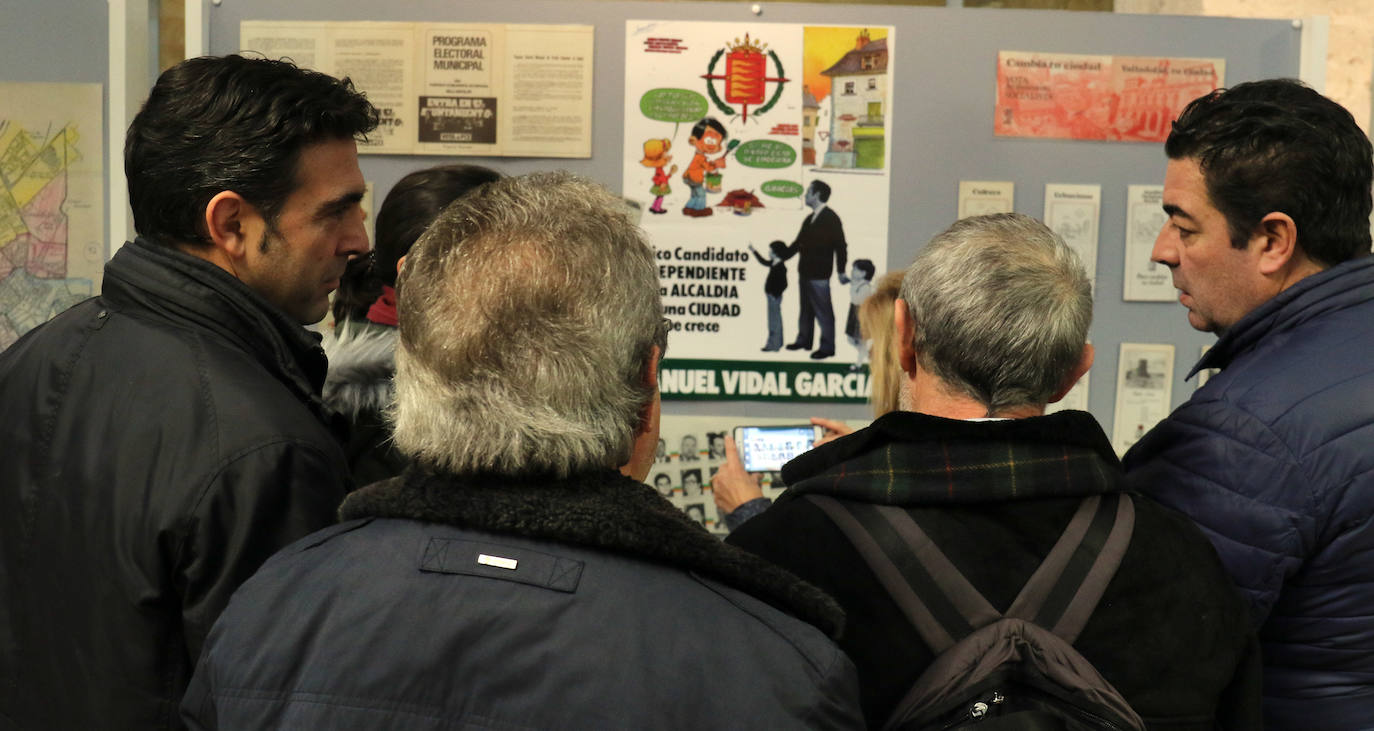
<point>383,311</point>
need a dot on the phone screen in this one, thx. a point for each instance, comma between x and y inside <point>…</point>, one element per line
<point>767,448</point>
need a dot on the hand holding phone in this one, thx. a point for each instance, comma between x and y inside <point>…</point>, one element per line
<point>767,448</point>
<point>833,429</point>
<point>732,485</point>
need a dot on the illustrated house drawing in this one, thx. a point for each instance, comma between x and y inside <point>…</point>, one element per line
<point>858,93</point>
<point>811,110</point>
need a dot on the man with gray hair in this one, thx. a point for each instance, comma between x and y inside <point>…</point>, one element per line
<point>992,325</point>
<point>520,574</point>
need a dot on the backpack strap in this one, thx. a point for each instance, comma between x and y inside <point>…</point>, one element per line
<point>944,607</point>
<point>1063,592</point>
<point>939,602</point>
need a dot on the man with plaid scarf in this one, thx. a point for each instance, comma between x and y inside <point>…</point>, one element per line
<point>992,325</point>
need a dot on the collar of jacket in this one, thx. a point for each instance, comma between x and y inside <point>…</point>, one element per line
<point>169,285</point>
<point>603,510</point>
<point>1348,283</point>
<point>909,458</point>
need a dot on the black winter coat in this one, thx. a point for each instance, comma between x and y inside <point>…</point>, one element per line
<point>162,440</point>
<point>598,605</point>
<point>1170,632</point>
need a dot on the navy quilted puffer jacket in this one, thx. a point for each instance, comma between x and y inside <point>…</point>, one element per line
<point>1274,459</point>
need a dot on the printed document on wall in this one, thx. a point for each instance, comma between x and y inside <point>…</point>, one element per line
<point>453,88</point>
<point>761,155</point>
<point>1092,97</point>
<point>1072,212</point>
<point>1144,385</point>
<point>52,201</point>
<point>981,197</point>
<point>1145,280</point>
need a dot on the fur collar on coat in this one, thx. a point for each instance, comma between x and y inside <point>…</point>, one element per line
<point>362,362</point>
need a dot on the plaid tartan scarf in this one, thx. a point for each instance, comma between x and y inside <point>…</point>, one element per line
<point>907,458</point>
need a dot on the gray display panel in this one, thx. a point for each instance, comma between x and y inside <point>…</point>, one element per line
<point>942,109</point>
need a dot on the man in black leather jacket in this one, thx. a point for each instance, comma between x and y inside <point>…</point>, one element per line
<point>166,437</point>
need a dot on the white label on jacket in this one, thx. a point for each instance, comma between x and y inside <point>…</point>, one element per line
<point>497,561</point>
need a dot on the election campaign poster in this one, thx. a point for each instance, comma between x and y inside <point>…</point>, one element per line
<point>761,156</point>
<point>452,88</point>
<point>1090,97</point>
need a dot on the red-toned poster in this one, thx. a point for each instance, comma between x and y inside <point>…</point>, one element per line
<point>1086,97</point>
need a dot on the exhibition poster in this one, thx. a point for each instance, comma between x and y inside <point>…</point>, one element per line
<point>1145,280</point>
<point>1144,386</point>
<point>760,155</point>
<point>1072,211</point>
<point>982,197</point>
<point>1091,97</point>
<point>52,201</point>
<point>453,88</point>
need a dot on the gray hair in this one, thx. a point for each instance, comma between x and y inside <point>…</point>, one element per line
<point>1001,308</point>
<point>528,311</point>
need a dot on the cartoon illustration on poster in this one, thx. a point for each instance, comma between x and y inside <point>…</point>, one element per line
<point>760,153</point>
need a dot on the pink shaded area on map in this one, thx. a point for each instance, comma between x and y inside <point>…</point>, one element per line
<point>48,226</point>
<point>14,255</point>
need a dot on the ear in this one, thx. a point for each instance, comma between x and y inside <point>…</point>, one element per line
<point>401,262</point>
<point>906,336</point>
<point>1277,237</point>
<point>649,413</point>
<point>642,453</point>
<point>651,377</point>
<point>233,224</point>
<point>1085,361</point>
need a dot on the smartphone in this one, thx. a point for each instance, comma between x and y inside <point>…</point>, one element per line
<point>767,448</point>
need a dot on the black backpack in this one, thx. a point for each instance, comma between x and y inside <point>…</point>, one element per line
<point>1016,670</point>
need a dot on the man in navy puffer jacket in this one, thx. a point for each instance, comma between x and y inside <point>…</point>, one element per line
<point>1268,196</point>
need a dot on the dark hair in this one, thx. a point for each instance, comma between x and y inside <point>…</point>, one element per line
<point>411,205</point>
<point>213,124</point>
<point>822,190</point>
<point>1277,145</point>
<point>778,247</point>
<point>699,128</point>
<point>865,266</point>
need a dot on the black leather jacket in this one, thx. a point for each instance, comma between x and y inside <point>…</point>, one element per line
<point>161,441</point>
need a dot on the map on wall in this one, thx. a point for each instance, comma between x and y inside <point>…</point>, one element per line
<point>52,245</point>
